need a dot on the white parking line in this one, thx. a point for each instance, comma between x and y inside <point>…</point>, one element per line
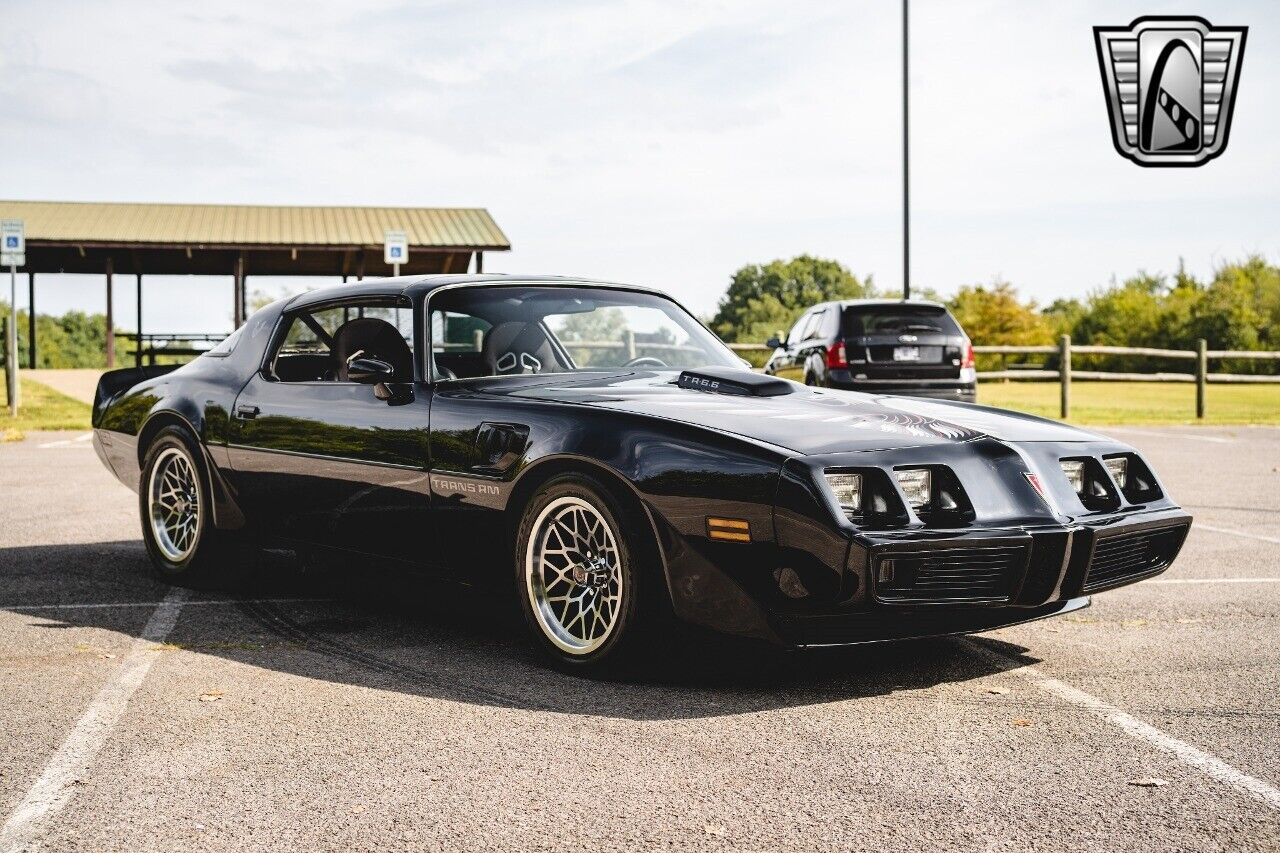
<point>1214,439</point>
<point>67,442</point>
<point>54,789</point>
<point>1199,526</point>
<point>1215,580</point>
<point>103,604</point>
<point>1192,756</point>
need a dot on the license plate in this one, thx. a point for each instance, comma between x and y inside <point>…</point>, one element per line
<point>906,353</point>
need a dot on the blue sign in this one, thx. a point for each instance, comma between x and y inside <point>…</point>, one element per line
<point>10,241</point>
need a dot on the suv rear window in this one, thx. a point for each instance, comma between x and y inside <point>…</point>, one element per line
<point>894,319</point>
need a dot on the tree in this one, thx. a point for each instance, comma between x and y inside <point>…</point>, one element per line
<point>993,314</point>
<point>75,339</point>
<point>765,299</point>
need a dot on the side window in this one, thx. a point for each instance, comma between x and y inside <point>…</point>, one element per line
<point>797,331</point>
<point>814,329</point>
<point>318,342</point>
<point>457,344</point>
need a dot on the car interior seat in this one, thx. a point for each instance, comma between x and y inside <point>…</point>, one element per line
<point>370,337</point>
<point>518,347</point>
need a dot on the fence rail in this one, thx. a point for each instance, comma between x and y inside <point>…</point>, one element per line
<point>169,344</point>
<point>1201,356</point>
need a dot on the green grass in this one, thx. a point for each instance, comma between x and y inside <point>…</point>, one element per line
<point>42,408</point>
<point>1138,402</point>
<point>1091,403</point>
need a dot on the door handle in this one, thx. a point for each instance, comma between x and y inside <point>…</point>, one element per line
<point>247,413</point>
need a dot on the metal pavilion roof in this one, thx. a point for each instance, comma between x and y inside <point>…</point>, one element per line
<point>250,226</point>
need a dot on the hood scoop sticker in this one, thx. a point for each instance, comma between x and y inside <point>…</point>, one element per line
<point>734,382</point>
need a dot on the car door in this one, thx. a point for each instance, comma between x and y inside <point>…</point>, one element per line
<point>477,441</point>
<point>326,461</point>
<point>792,364</point>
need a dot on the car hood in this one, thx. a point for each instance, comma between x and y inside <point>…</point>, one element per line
<point>808,420</point>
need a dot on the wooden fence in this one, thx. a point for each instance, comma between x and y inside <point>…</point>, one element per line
<point>1064,350</point>
<point>1201,376</point>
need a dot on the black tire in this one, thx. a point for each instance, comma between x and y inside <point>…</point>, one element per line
<point>643,605</point>
<point>206,556</point>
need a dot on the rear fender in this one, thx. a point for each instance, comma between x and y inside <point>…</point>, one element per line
<point>113,383</point>
<point>178,411</point>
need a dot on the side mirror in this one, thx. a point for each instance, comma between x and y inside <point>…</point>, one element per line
<point>773,343</point>
<point>369,371</point>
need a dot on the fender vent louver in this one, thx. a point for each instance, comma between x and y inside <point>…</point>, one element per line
<point>728,380</point>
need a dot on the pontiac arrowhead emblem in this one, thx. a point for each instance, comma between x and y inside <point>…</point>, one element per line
<point>1171,85</point>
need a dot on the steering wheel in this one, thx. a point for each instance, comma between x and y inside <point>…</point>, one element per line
<point>645,361</point>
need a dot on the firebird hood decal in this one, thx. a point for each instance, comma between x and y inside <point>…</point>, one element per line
<point>810,421</point>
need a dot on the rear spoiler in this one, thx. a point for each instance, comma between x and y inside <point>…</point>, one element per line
<point>113,383</point>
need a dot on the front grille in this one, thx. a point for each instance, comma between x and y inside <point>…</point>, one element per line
<point>974,574</point>
<point>1128,556</point>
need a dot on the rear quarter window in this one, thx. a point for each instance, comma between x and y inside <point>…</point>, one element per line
<point>896,319</point>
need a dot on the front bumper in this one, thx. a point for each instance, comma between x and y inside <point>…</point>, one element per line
<point>956,582</point>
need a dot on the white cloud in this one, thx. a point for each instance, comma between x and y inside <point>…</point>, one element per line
<point>659,142</point>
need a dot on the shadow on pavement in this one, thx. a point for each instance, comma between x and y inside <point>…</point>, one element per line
<point>394,631</point>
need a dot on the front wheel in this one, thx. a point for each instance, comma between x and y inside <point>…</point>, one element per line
<point>175,501</point>
<point>577,575</point>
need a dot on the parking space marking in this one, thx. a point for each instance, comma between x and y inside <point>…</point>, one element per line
<point>191,603</point>
<point>1214,439</point>
<point>1190,755</point>
<point>1199,526</point>
<point>1214,580</point>
<point>67,442</point>
<point>54,789</point>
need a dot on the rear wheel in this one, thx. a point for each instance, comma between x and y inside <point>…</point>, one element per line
<point>175,501</point>
<point>584,595</point>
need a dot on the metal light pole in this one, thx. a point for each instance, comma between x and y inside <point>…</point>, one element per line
<point>906,168</point>
<point>11,344</point>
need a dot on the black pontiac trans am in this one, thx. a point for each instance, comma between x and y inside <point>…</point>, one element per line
<point>598,448</point>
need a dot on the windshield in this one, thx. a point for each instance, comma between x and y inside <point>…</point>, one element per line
<point>496,331</point>
<point>894,319</point>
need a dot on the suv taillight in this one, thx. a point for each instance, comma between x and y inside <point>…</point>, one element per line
<point>835,355</point>
<point>969,359</point>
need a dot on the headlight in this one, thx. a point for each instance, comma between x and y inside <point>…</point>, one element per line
<point>916,484</point>
<point>1074,469</point>
<point>1118,468</point>
<point>848,491</point>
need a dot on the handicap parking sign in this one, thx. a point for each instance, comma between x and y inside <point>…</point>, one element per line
<point>13,248</point>
<point>395,249</point>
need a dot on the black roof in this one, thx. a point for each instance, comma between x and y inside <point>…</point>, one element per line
<point>413,286</point>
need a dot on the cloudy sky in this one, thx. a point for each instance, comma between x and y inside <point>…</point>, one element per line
<point>663,143</point>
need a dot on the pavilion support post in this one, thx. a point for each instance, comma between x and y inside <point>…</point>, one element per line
<point>31,320</point>
<point>244,290</point>
<point>479,262</point>
<point>360,268</point>
<point>238,302</point>
<point>111,328</point>
<point>237,299</point>
<point>137,350</point>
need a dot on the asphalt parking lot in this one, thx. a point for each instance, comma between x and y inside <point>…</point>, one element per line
<point>361,712</point>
